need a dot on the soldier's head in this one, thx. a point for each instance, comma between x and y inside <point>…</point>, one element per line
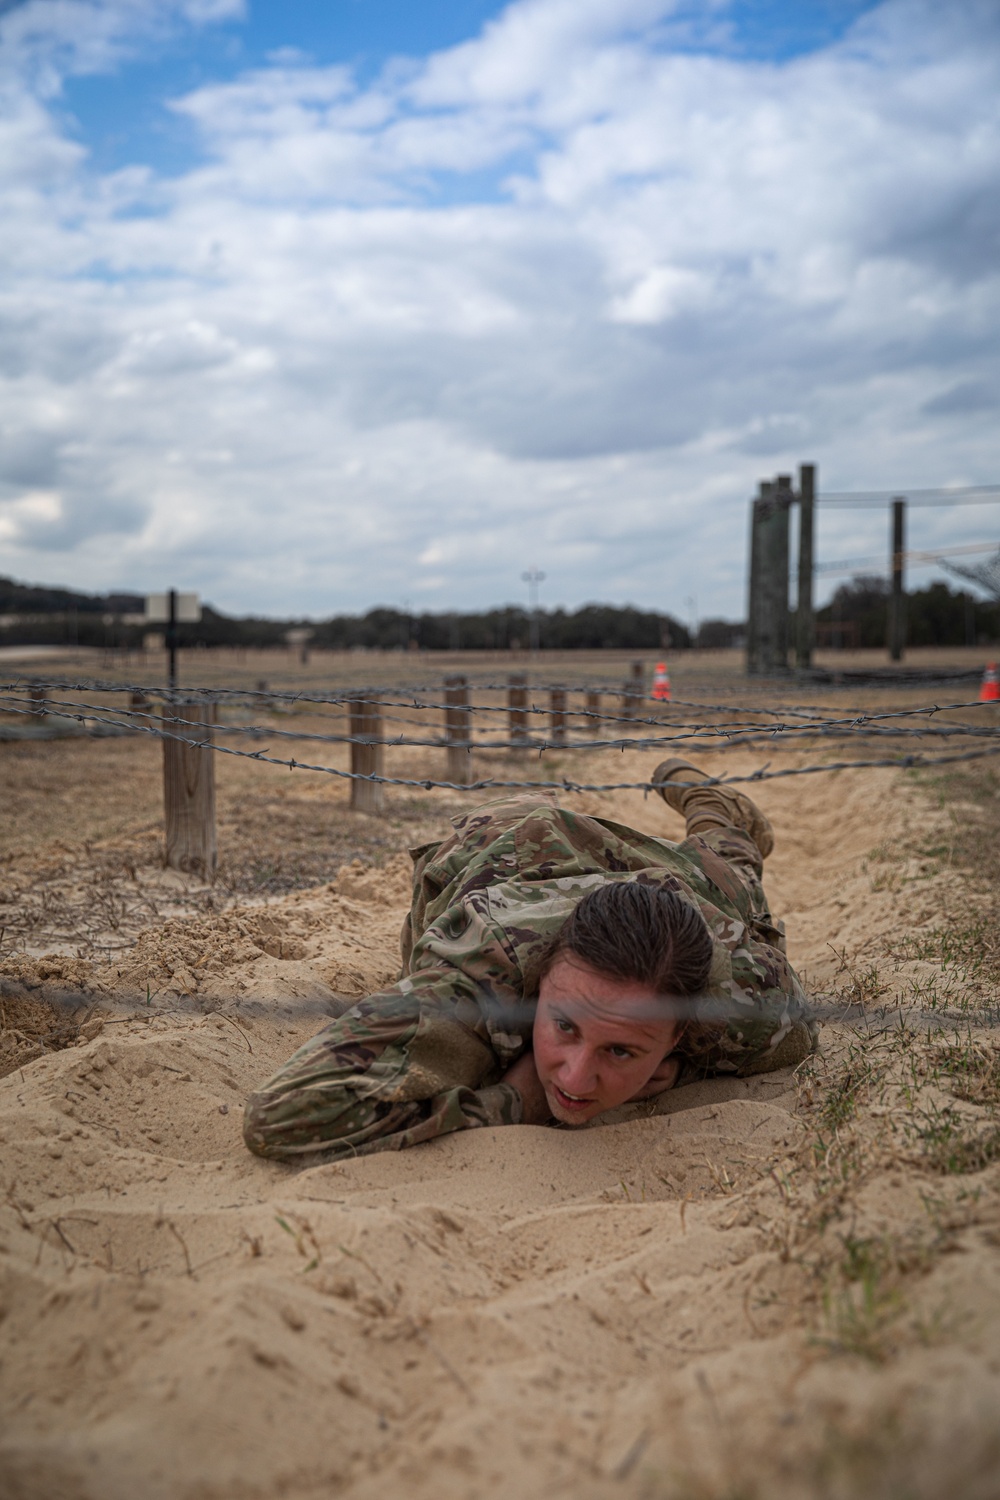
<point>610,995</point>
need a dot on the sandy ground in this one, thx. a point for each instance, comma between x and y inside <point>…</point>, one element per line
<point>765,1287</point>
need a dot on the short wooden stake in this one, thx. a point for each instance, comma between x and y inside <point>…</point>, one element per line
<point>189,789</point>
<point>517,710</point>
<point>557,711</point>
<point>458,730</point>
<point>634,691</point>
<point>593,707</point>
<point>367,755</point>
<point>39,699</point>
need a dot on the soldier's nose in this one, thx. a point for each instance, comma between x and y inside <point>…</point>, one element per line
<point>578,1076</point>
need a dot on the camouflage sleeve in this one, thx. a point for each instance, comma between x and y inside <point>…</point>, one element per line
<point>415,1061</point>
<point>755,1017</point>
<point>402,1066</point>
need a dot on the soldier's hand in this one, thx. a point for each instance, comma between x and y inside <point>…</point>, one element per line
<point>523,1076</point>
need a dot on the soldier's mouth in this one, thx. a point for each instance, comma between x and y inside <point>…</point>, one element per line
<point>570,1101</point>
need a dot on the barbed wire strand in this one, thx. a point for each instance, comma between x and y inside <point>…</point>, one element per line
<point>773,735</point>
<point>378,697</point>
<point>906,762</point>
<point>854,717</point>
<point>823,1006</point>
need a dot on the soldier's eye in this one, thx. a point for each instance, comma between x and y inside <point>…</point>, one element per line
<point>563,1025</point>
<point>621,1052</point>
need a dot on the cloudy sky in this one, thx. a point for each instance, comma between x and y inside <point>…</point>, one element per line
<point>312,307</point>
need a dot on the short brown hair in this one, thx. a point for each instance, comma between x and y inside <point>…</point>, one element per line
<point>633,931</point>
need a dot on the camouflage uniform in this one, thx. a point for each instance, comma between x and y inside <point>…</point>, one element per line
<point>425,1056</point>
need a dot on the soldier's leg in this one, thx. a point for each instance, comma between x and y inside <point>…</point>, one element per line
<point>384,1075</point>
<point>730,838</point>
<point>706,807</point>
<point>731,826</point>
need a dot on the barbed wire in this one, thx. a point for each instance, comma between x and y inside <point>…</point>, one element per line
<point>387,697</point>
<point>905,762</point>
<point>772,735</point>
<point>855,717</point>
<point>826,1007</point>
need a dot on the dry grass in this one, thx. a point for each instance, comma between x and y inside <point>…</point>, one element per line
<point>891,1173</point>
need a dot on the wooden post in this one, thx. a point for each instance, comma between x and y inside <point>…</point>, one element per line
<point>805,631</point>
<point>367,756</point>
<point>634,691</point>
<point>779,570</point>
<point>592,707</point>
<point>897,601</point>
<point>171,640</point>
<point>770,619</point>
<point>39,699</point>
<point>754,584</point>
<point>557,712</point>
<point>189,789</point>
<point>458,730</point>
<point>517,709</point>
<point>139,704</point>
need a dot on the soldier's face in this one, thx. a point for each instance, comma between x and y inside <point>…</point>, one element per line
<point>597,1040</point>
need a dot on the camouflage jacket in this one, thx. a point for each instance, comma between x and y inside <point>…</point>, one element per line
<point>487,900</point>
<point>426,1056</point>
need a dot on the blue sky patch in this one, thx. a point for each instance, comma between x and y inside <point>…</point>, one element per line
<point>124,117</point>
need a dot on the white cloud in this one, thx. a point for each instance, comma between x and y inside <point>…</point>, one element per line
<point>531,48</point>
<point>558,295</point>
<point>27,517</point>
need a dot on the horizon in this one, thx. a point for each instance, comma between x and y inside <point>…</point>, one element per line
<point>691,625</point>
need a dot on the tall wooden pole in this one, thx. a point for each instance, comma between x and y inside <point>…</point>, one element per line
<point>189,789</point>
<point>765,509</point>
<point>171,642</point>
<point>367,755</point>
<point>458,729</point>
<point>772,511</point>
<point>805,630</point>
<point>897,601</point>
<point>754,585</point>
<point>780,571</point>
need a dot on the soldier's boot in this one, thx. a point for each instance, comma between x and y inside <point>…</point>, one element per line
<point>708,807</point>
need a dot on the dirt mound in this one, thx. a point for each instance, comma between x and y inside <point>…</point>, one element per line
<point>778,1286</point>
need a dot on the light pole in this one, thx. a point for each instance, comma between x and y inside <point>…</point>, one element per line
<point>692,604</point>
<point>533,577</point>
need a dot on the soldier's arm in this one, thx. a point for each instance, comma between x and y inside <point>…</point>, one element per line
<point>405,1065</point>
<point>757,1018</point>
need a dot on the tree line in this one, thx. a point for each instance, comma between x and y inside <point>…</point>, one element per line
<point>938,615</point>
<point>935,616</point>
<point>36,614</point>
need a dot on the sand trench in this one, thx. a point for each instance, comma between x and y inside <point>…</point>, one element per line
<point>644,1308</point>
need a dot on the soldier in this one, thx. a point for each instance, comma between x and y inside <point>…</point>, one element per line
<point>555,966</point>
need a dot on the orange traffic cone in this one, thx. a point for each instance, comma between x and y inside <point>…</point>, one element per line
<point>988,693</point>
<point>661,682</point>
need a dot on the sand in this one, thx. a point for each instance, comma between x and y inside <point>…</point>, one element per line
<point>730,1292</point>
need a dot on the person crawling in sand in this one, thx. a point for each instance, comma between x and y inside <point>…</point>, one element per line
<point>555,966</point>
